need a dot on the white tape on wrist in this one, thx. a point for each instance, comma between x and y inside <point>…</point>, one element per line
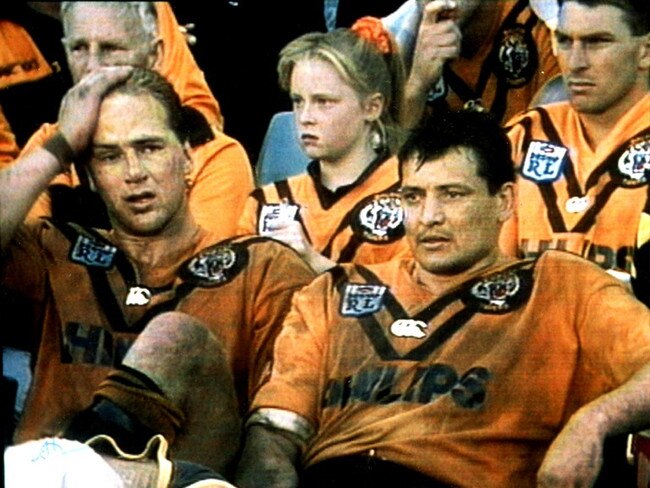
<point>283,420</point>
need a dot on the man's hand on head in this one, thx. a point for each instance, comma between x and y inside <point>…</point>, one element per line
<point>80,106</point>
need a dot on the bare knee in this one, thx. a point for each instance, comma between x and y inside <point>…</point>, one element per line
<point>178,352</point>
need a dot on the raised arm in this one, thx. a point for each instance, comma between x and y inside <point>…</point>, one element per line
<point>575,457</point>
<point>438,41</point>
<point>23,181</point>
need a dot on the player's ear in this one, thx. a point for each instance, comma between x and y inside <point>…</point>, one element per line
<point>506,201</point>
<point>188,164</point>
<point>91,180</point>
<point>644,53</point>
<point>156,53</point>
<point>373,105</point>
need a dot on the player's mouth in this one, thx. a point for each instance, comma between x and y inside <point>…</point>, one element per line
<point>140,201</point>
<point>433,241</point>
<point>308,139</point>
<point>577,85</point>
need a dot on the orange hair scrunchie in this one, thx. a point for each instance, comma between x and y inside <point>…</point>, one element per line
<point>372,30</point>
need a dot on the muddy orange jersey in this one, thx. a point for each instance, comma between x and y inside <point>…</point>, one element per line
<point>180,69</point>
<point>589,201</point>
<point>78,303</point>
<point>20,60</point>
<point>513,62</point>
<point>361,222</point>
<point>468,383</point>
<point>219,184</point>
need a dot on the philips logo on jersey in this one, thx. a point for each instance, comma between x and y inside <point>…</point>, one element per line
<point>409,328</point>
<point>359,300</point>
<point>544,161</point>
<point>390,384</point>
<point>90,252</point>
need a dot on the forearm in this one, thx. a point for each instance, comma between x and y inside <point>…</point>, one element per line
<point>575,456</point>
<point>413,103</point>
<point>20,185</point>
<point>625,409</point>
<point>269,460</point>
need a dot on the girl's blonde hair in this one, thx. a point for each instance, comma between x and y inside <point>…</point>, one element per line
<point>361,64</point>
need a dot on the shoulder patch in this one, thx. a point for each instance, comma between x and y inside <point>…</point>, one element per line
<point>517,58</point>
<point>379,218</point>
<point>501,292</point>
<point>633,167</point>
<point>215,265</point>
<point>544,161</point>
<point>91,252</point>
<point>361,299</point>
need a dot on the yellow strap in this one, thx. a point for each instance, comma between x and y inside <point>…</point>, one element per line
<point>164,464</point>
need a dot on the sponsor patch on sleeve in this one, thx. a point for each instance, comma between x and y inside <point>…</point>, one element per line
<point>215,265</point>
<point>91,252</point>
<point>544,161</point>
<point>379,218</point>
<point>361,299</point>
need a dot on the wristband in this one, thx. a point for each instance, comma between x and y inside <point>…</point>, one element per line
<point>283,420</point>
<point>58,146</point>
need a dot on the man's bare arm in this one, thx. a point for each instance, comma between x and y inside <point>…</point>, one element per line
<point>268,460</point>
<point>438,41</point>
<point>29,175</point>
<point>575,457</point>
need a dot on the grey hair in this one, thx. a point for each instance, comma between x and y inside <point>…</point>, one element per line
<point>145,12</point>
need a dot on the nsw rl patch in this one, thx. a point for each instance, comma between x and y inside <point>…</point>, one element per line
<point>379,218</point>
<point>361,299</point>
<point>544,161</point>
<point>500,292</point>
<point>93,253</point>
<point>215,265</point>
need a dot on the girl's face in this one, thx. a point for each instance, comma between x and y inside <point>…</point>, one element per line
<point>333,122</point>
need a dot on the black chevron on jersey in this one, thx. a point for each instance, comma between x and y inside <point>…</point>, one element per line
<point>547,190</point>
<point>441,334</point>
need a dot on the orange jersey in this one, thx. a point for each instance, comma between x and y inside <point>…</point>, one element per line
<point>468,383</point>
<point>219,184</point>
<point>20,59</point>
<point>180,69</point>
<point>592,202</point>
<point>512,63</point>
<point>78,303</point>
<point>361,223</point>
